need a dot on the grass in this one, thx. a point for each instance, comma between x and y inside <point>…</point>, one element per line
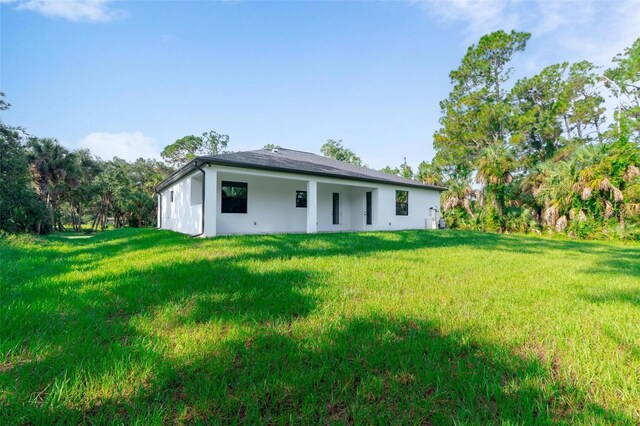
<point>145,326</point>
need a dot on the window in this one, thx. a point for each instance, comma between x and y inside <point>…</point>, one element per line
<point>301,198</point>
<point>402,203</point>
<point>171,196</point>
<point>234,197</point>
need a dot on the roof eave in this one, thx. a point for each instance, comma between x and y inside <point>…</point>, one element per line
<point>178,174</point>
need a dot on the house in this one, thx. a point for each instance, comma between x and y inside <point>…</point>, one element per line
<point>283,190</point>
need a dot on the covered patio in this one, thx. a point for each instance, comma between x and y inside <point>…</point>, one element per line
<point>273,203</point>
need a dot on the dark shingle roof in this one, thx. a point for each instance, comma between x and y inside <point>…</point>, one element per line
<point>289,160</point>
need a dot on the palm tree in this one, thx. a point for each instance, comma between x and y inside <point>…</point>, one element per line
<point>459,195</point>
<point>50,163</point>
<point>429,173</point>
<point>631,193</point>
<point>606,171</point>
<point>494,172</point>
<point>532,185</point>
<point>556,192</point>
<point>81,185</point>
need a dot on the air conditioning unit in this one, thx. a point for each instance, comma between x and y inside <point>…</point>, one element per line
<point>432,218</point>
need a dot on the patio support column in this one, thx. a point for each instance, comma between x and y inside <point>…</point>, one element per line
<point>210,201</point>
<point>312,207</point>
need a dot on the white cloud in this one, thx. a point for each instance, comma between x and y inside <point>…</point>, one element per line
<point>74,10</point>
<point>575,30</point>
<point>129,146</point>
<point>478,16</point>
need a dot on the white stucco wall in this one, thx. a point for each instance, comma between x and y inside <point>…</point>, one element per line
<point>325,207</point>
<point>180,215</point>
<point>271,204</point>
<point>420,200</point>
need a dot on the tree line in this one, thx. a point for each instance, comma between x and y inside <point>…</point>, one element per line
<point>44,187</point>
<point>537,153</point>
<point>541,153</point>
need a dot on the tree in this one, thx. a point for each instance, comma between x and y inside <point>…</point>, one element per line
<point>20,208</point>
<point>143,175</point>
<point>181,151</point>
<point>213,143</point>
<point>141,205</point>
<point>459,196</point>
<point>559,107</point>
<point>539,151</point>
<point>430,174</point>
<point>112,187</point>
<point>478,113</point>
<point>50,164</point>
<point>80,191</point>
<point>44,186</point>
<point>540,106</point>
<point>626,78</point>
<point>390,171</point>
<point>585,109</point>
<point>404,170</point>
<point>189,147</point>
<point>334,149</point>
<point>495,165</point>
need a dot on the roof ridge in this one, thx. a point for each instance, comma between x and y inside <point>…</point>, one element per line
<point>340,161</point>
<point>298,150</point>
<point>355,166</point>
<point>297,161</point>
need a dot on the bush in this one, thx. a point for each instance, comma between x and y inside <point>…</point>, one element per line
<point>518,219</point>
<point>492,221</point>
<point>630,232</point>
<point>584,229</point>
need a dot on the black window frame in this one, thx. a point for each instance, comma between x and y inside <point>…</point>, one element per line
<point>300,199</point>
<point>239,205</point>
<point>171,195</point>
<point>402,207</point>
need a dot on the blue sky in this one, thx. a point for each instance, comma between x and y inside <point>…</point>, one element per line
<point>128,78</point>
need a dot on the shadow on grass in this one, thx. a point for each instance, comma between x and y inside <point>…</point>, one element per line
<point>57,333</point>
<point>376,369</point>
<point>631,297</point>
<point>373,370</point>
<point>609,258</point>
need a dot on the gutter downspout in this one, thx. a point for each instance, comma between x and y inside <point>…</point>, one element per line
<point>204,181</point>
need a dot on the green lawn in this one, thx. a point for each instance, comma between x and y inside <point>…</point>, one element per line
<point>146,326</point>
